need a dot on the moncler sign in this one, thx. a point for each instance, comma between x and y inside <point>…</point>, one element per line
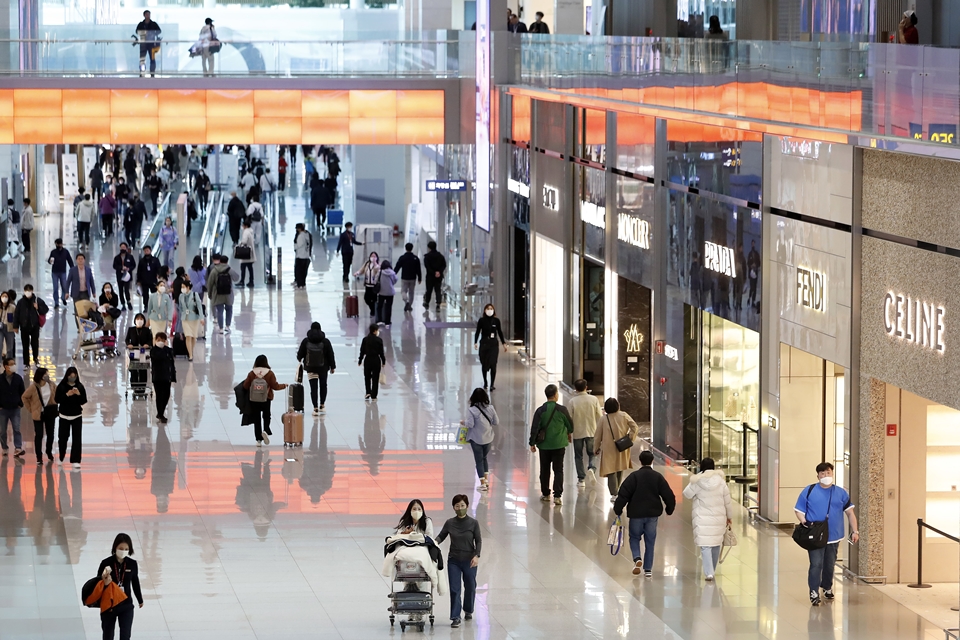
<point>914,320</point>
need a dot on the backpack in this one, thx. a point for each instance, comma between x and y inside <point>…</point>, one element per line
<point>224,283</point>
<point>256,216</point>
<point>259,390</point>
<point>314,360</point>
<point>14,216</point>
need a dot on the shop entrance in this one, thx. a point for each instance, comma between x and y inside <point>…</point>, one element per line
<point>550,296</point>
<point>521,280</point>
<point>593,328</point>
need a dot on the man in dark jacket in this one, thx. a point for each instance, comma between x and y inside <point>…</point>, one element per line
<point>11,403</point>
<point>550,433</point>
<point>316,356</point>
<point>124,265</point>
<point>147,272</point>
<point>133,219</point>
<point>645,493</point>
<point>59,261</point>
<point>235,213</point>
<point>319,199</point>
<point>96,181</point>
<point>539,26</point>
<point>408,266</point>
<point>434,264</point>
<point>26,320</point>
<point>345,249</point>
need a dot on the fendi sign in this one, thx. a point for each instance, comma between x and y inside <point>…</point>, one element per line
<point>915,321</point>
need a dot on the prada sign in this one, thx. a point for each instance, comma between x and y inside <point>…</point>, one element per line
<point>915,321</point>
<point>719,259</point>
<point>811,286</point>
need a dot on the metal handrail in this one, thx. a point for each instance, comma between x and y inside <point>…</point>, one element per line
<point>269,239</point>
<point>209,226</point>
<point>153,230</point>
<point>921,525</point>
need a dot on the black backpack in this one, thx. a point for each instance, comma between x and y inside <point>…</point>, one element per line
<point>315,359</point>
<point>256,216</point>
<point>224,283</point>
<point>14,216</point>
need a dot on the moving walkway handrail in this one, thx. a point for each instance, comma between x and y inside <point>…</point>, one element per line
<point>270,239</point>
<point>209,226</point>
<point>152,234</point>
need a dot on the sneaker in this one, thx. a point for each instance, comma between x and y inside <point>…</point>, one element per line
<point>542,498</point>
<point>592,476</point>
<point>492,388</point>
<point>637,566</point>
<point>323,409</point>
<point>455,623</point>
<point>814,599</point>
<point>828,594</point>
<point>557,501</point>
<point>19,453</point>
<point>266,438</point>
<point>483,487</point>
<point>76,466</point>
<point>366,397</point>
<point>648,574</point>
<point>581,484</point>
<point>226,330</point>
<point>426,305</point>
<point>708,578</point>
<point>316,411</point>
<point>468,616</point>
<point>221,331</point>
<point>259,444</point>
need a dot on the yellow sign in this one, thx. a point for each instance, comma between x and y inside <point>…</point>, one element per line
<point>634,339</point>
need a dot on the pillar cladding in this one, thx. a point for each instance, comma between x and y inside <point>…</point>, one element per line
<point>870,507</point>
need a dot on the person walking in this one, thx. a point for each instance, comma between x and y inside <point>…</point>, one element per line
<point>27,224</point>
<point>434,264</point>
<point>408,266</point>
<point>281,173</point>
<point>646,495</point>
<point>480,421</point>
<point>80,280</point>
<point>319,200</point>
<point>164,372</point>
<point>825,501</point>
<point>255,215</point>
<point>386,291</point>
<point>373,359</point>
<point>260,383</point>
<point>154,184</point>
<point>488,332</point>
<point>550,433</point>
<point>160,309</point>
<point>462,559</point>
<point>124,266</point>
<point>202,186</point>
<point>302,251</point>
<point>266,186</point>
<point>60,263</point>
<point>371,282</point>
<point>130,169</point>
<point>26,321</point>
<point>11,403</point>
<point>108,211</point>
<point>248,240</point>
<point>190,312</point>
<point>415,520</point>
<point>148,33</point>
<point>208,41</point>
<point>40,400</point>
<point>235,213</point>
<point>108,300</point>
<point>221,280</point>
<point>121,569</point>
<point>71,396</point>
<point>345,249</point>
<point>133,219</point>
<point>138,338</point>
<point>538,25</point>
<point>585,411</point>
<point>96,180</point>
<point>169,240</point>
<point>84,218</point>
<point>8,308</point>
<point>712,513</point>
<point>610,428</point>
<point>147,273</point>
<point>317,359</point>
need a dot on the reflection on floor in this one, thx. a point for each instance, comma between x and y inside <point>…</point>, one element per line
<point>239,542</point>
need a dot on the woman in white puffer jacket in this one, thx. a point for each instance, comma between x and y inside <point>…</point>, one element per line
<point>712,512</point>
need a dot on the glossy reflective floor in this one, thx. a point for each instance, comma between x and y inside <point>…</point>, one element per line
<point>239,542</point>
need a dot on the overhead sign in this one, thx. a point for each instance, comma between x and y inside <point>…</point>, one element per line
<point>446,185</point>
<point>915,321</point>
<point>719,259</point>
<point>811,287</point>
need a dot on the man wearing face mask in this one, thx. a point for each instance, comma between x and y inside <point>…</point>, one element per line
<point>125,266</point>
<point>462,559</point>
<point>147,273</point>
<point>11,402</point>
<point>159,309</point>
<point>825,501</point>
<point>80,280</point>
<point>26,321</point>
<point>488,331</point>
<point>164,372</point>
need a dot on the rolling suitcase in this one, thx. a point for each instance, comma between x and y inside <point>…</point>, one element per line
<point>295,397</point>
<point>180,346</point>
<point>292,429</point>
<point>353,307</point>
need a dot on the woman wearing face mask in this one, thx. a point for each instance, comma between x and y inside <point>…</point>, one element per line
<point>462,559</point>
<point>40,400</point>
<point>190,313</point>
<point>481,419</point>
<point>120,568</point>
<point>164,372</point>
<point>712,513</point>
<point>414,520</point>
<point>109,300</point>
<point>71,396</point>
<point>159,309</point>
<point>488,332</point>
<point>168,242</point>
<point>139,338</point>
<point>371,282</point>
<point>7,332</point>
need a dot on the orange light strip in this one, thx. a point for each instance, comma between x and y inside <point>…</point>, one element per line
<point>215,116</point>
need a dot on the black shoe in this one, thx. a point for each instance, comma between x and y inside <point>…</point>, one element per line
<point>426,305</point>
<point>468,616</point>
<point>438,307</point>
<point>814,599</point>
<point>455,623</point>
<point>492,388</point>
<point>828,594</point>
<point>250,285</point>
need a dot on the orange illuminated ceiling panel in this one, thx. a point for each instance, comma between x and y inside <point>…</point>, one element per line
<point>373,130</point>
<point>373,104</point>
<point>126,103</point>
<point>134,130</point>
<point>419,130</point>
<point>6,130</point>
<point>419,104</point>
<point>176,103</point>
<point>326,130</point>
<point>235,130</point>
<point>276,130</point>
<point>6,103</point>
<point>230,104</point>
<point>635,129</point>
<point>186,130</point>
<point>85,103</point>
<point>521,118</point>
<point>276,104</point>
<point>596,126</point>
<point>27,130</point>
<point>325,104</point>
<point>37,102</point>
<point>86,130</point>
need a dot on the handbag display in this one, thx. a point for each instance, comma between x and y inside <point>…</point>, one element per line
<point>615,537</point>
<point>623,443</point>
<point>241,252</point>
<point>814,535</point>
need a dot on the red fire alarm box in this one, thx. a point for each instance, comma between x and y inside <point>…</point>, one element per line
<point>660,345</point>
<point>891,429</point>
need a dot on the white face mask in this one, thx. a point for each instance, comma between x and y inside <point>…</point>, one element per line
<point>826,481</point>
<point>108,290</point>
<point>416,514</point>
<point>139,323</point>
<point>28,294</point>
<point>122,553</point>
<point>161,344</point>
<point>184,290</point>
<point>489,312</point>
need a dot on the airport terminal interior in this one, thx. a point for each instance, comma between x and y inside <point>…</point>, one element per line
<point>426,286</point>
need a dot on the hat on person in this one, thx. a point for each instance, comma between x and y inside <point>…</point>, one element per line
<point>909,13</point>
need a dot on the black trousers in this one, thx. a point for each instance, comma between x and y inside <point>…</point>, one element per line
<point>244,267</point>
<point>25,239</point>
<point>70,428</point>
<point>261,419</point>
<point>370,297</point>
<point>321,216</point>
<point>433,285</point>
<point>161,393</point>
<point>347,264</point>
<point>109,620</point>
<point>384,309</point>
<point>123,290</point>
<point>83,232</point>
<point>30,339</point>
<point>319,384</point>
<point>300,267</point>
<point>371,376</point>
<point>107,223</point>
<point>551,458</point>
<point>281,180</point>
<point>40,427</point>
<point>489,354</point>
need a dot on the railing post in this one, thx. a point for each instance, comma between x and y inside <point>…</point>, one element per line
<point>919,584</point>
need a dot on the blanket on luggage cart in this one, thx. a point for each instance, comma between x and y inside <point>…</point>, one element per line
<point>413,547</point>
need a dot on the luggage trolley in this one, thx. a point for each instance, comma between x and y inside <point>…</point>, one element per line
<point>138,364</point>
<point>410,601</point>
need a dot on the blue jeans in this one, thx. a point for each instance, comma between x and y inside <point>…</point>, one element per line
<point>60,287</point>
<point>578,445</point>
<point>167,257</point>
<point>220,309</point>
<point>480,452</point>
<point>13,415</point>
<point>647,529</point>
<point>711,559</point>
<point>458,570</point>
<point>822,563</point>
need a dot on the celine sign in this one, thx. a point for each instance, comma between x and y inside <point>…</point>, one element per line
<point>811,287</point>
<point>914,321</point>
<point>719,259</point>
<point>634,231</point>
<point>551,198</point>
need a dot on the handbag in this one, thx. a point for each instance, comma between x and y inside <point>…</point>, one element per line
<point>241,252</point>
<point>215,46</point>
<point>729,541</point>
<point>623,443</point>
<point>813,535</point>
<point>542,432</point>
<point>383,377</point>
<point>615,537</point>
<point>462,434</point>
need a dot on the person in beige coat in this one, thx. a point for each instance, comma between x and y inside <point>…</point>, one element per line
<point>610,428</point>
<point>41,394</point>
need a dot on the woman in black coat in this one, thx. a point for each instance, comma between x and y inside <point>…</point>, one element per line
<point>164,373</point>
<point>372,358</point>
<point>71,396</point>
<point>120,568</point>
<point>488,331</point>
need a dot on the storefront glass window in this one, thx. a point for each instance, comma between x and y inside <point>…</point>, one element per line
<point>592,211</point>
<point>636,138</point>
<point>635,214</point>
<point>519,186</point>
<point>715,159</point>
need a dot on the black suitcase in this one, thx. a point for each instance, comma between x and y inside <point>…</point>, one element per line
<point>295,398</point>
<point>412,601</point>
<point>180,346</point>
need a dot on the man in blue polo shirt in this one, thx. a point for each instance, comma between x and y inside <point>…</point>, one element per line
<point>816,503</point>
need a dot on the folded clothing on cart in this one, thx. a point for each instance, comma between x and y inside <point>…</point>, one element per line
<point>414,547</point>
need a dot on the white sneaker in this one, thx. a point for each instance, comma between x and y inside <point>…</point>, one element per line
<point>76,466</point>
<point>591,476</point>
<point>316,411</point>
<point>266,439</point>
<point>581,484</point>
<point>259,444</point>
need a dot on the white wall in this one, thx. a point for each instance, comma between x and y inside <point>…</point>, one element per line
<point>386,163</point>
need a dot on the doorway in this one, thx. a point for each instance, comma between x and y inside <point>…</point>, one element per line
<point>521,280</point>
<point>550,296</point>
<point>593,329</point>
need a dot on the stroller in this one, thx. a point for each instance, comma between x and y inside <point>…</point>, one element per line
<point>409,600</point>
<point>90,325</point>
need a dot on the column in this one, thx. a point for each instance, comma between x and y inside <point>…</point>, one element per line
<point>567,18</point>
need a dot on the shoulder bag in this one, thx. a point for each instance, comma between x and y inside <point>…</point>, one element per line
<point>241,252</point>
<point>615,536</point>
<point>542,432</point>
<point>623,443</point>
<point>814,535</point>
